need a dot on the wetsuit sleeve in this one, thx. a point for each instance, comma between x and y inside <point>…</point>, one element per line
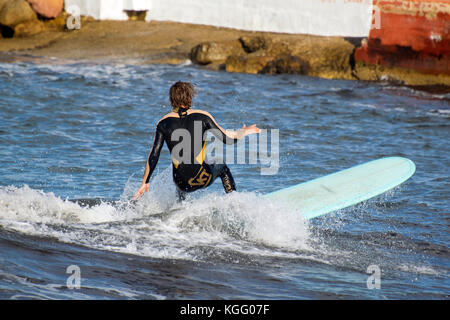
<point>218,131</point>
<point>153,157</point>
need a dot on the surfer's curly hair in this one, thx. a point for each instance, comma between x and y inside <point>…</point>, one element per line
<point>181,94</point>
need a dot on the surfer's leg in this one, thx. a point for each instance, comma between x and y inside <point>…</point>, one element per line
<point>227,180</point>
<point>221,170</point>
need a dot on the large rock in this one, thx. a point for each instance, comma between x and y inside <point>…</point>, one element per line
<point>278,48</point>
<point>370,72</point>
<point>285,64</point>
<point>213,52</point>
<point>15,12</point>
<point>254,43</point>
<point>28,28</point>
<point>326,57</point>
<point>47,8</point>
<point>251,63</point>
<point>58,23</point>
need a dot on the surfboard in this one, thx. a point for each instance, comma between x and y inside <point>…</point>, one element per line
<point>345,188</point>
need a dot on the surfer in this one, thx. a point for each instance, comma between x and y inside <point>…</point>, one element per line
<point>190,171</point>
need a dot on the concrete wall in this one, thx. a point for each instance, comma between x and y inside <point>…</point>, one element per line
<point>318,17</point>
<point>107,9</point>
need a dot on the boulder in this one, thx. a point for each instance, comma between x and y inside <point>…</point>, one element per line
<point>254,43</point>
<point>326,57</point>
<point>250,63</point>
<point>285,64</point>
<point>279,48</point>
<point>15,12</point>
<point>213,52</point>
<point>28,28</point>
<point>58,23</point>
<point>47,8</point>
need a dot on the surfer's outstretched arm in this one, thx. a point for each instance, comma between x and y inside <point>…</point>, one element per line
<point>229,136</point>
<point>152,160</point>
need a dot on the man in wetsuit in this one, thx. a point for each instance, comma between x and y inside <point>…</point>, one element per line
<point>184,130</point>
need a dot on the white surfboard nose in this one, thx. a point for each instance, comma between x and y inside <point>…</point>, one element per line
<point>345,188</point>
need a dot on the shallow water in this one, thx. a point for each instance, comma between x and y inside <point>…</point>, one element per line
<point>74,140</point>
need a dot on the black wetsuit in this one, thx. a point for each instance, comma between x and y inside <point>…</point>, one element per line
<point>184,134</point>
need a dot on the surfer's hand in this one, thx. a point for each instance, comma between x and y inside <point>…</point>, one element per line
<point>144,188</point>
<point>251,129</point>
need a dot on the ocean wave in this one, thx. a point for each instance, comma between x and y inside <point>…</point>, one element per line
<point>156,227</point>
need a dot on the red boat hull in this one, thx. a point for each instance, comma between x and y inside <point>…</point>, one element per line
<point>409,34</point>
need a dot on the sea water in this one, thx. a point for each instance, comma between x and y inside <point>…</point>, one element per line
<point>74,138</point>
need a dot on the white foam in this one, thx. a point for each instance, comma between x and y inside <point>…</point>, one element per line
<point>426,270</point>
<point>34,206</point>
<point>156,226</point>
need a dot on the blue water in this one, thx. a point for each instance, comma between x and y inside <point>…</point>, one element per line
<point>74,140</point>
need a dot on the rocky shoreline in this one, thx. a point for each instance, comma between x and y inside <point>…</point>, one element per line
<point>210,47</point>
